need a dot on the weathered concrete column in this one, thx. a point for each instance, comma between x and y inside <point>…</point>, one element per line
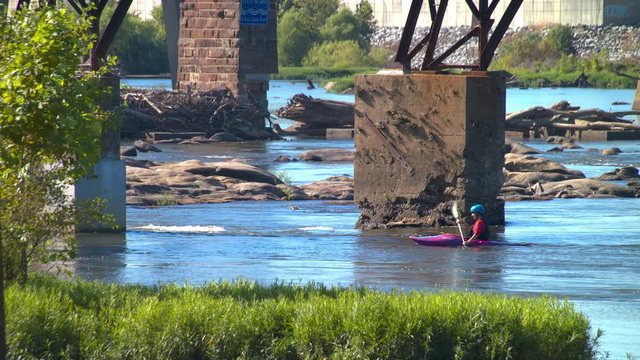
<point>109,177</point>
<point>636,99</point>
<point>425,140</point>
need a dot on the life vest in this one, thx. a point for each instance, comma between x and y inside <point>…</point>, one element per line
<point>484,231</point>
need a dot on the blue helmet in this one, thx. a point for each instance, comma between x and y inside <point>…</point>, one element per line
<point>478,209</point>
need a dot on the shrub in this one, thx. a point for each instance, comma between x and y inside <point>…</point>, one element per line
<point>340,26</point>
<point>294,40</point>
<point>54,319</point>
<point>336,54</point>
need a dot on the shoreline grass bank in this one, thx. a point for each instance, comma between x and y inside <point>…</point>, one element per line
<point>50,318</point>
<point>554,77</point>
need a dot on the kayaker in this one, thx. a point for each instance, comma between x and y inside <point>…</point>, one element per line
<point>479,230</point>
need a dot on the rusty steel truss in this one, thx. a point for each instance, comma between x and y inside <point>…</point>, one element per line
<point>93,10</point>
<point>482,23</point>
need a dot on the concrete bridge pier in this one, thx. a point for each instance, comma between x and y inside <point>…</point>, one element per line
<point>636,99</point>
<point>109,177</point>
<point>425,140</point>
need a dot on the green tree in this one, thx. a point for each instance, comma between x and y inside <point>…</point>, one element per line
<point>337,54</point>
<point>343,25</point>
<point>141,46</point>
<point>561,37</point>
<point>293,40</point>
<point>367,23</point>
<point>50,130</point>
<point>316,12</point>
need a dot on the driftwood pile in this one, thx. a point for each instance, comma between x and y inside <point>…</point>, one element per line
<point>314,116</point>
<point>210,112</point>
<point>562,116</point>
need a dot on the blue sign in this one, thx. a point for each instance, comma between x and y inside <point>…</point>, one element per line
<point>254,12</point>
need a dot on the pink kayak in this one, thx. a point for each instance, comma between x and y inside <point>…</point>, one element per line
<point>455,240</point>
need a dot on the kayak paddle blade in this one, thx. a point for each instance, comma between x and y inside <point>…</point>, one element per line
<point>454,210</point>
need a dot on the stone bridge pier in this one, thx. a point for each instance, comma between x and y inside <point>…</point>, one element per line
<point>425,140</point>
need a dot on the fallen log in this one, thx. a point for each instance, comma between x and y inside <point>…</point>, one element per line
<point>598,125</point>
<point>318,113</point>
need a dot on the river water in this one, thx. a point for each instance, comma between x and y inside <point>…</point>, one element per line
<point>584,250</point>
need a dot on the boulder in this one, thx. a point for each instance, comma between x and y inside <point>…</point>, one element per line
<point>235,169</point>
<point>611,151</point>
<point>144,146</point>
<point>527,163</point>
<point>332,188</point>
<point>518,148</point>
<point>587,188</point>
<point>336,155</point>
<point>570,145</point>
<point>526,178</point>
<point>624,173</point>
<point>128,151</point>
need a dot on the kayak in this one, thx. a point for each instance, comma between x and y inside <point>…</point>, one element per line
<point>455,240</point>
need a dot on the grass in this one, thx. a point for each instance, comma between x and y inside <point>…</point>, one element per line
<point>55,319</point>
<point>343,77</point>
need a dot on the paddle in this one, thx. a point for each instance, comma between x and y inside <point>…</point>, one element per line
<point>456,215</point>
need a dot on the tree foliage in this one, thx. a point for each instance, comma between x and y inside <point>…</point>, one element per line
<point>293,40</point>
<point>319,25</point>
<point>343,25</point>
<point>345,53</point>
<point>140,45</point>
<point>364,14</point>
<point>50,130</point>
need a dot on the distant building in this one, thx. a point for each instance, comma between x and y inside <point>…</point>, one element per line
<point>143,8</point>
<point>532,12</point>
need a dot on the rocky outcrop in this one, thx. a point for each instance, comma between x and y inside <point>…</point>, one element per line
<point>195,182</point>
<point>531,178</point>
<point>624,173</point>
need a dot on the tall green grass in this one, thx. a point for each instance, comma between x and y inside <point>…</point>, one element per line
<point>52,319</point>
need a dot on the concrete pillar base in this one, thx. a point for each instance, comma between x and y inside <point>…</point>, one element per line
<point>424,141</point>
<point>108,182</point>
<point>636,100</point>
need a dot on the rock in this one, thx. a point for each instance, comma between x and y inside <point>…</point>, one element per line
<point>518,148</point>
<point>611,151</point>
<point>283,158</point>
<point>527,163</point>
<point>234,169</point>
<point>525,178</point>
<point>570,145</point>
<point>333,188</point>
<point>330,85</point>
<point>555,149</point>
<point>328,155</point>
<point>144,146</point>
<point>139,163</point>
<point>128,151</point>
<point>224,137</point>
<point>587,188</point>
<point>558,139</point>
<point>258,191</point>
<point>624,173</point>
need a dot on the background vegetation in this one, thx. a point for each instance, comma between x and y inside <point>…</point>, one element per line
<point>547,58</point>
<point>324,34</point>
<point>140,45</point>
<point>81,320</point>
